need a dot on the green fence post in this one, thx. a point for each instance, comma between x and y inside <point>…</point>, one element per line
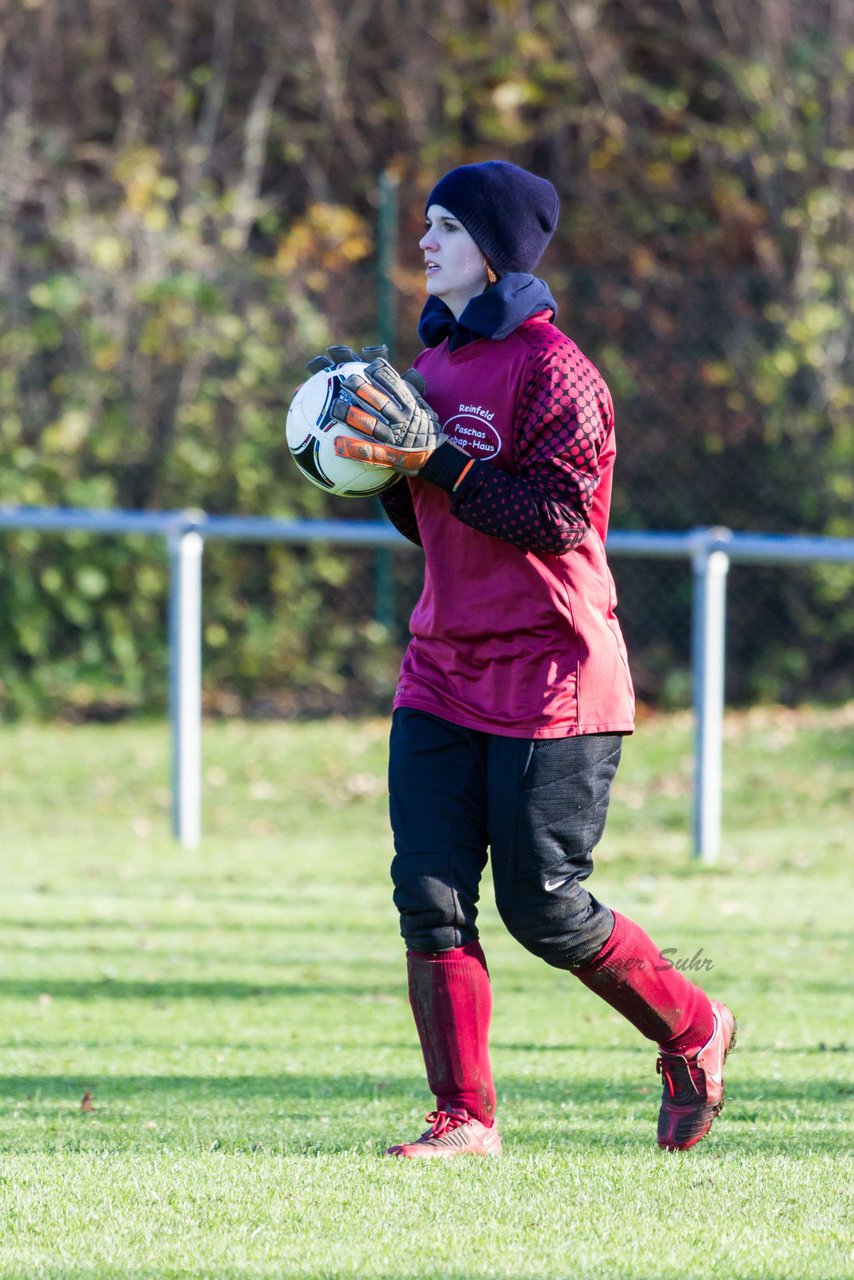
<point>387,217</point>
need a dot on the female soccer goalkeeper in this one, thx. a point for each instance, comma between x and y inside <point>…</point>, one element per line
<point>515,692</point>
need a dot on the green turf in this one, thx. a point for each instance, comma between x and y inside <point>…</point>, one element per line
<point>238,1015</point>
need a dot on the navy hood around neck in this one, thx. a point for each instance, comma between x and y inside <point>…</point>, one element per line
<point>495,313</point>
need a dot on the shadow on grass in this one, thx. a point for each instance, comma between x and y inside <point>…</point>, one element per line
<point>236,1272</point>
<point>168,989</point>
<point>139,925</point>
<point>581,1113</point>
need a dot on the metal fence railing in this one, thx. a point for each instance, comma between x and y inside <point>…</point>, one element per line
<point>709,551</point>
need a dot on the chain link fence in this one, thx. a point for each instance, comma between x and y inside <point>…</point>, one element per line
<point>355,664</point>
<point>764,662</point>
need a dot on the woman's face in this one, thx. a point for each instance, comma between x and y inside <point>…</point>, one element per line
<point>455,267</point>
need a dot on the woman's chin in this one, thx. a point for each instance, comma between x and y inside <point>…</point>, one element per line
<point>453,298</point>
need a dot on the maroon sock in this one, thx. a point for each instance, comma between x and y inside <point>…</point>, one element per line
<point>633,977</point>
<point>451,1000</point>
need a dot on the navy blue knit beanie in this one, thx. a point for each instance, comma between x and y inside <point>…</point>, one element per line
<point>509,213</point>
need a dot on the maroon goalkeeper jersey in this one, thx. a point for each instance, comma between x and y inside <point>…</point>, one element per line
<point>515,631</point>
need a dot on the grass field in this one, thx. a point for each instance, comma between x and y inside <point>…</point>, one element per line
<point>238,1018</point>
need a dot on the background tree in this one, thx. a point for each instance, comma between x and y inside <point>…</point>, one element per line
<point>187,211</point>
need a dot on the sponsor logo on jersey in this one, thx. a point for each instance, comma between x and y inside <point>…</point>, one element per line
<point>471,428</point>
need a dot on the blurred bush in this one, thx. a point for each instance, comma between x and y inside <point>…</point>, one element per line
<point>188,210</point>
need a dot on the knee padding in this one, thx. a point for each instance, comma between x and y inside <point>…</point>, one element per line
<point>431,915</point>
<point>565,926</point>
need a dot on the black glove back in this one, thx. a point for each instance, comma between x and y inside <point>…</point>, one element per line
<point>334,356</point>
<point>396,426</point>
<point>386,406</point>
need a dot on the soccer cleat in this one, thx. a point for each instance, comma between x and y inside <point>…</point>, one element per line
<point>693,1092</point>
<point>452,1133</point>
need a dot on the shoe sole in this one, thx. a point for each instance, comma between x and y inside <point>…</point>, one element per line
<point>443,1155</point>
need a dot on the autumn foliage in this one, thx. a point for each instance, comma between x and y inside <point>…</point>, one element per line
<point>188,210</point>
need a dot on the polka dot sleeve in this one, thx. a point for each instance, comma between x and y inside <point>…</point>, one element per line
<point>563,419</point>
<point>398,506</point>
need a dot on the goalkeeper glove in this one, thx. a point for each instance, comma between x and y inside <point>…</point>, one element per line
<point>333,356</point>
<point>397,428</point>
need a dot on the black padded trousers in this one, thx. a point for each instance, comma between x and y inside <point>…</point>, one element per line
<point>537,807</point>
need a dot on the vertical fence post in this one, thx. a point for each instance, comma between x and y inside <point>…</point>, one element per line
<point>387,221</point>
<point>185,682</point>
<point>708,642</point>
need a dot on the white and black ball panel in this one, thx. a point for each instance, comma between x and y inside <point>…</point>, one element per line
<point>311,432</point>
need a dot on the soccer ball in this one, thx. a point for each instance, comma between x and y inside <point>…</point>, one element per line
<point>311,431</point>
